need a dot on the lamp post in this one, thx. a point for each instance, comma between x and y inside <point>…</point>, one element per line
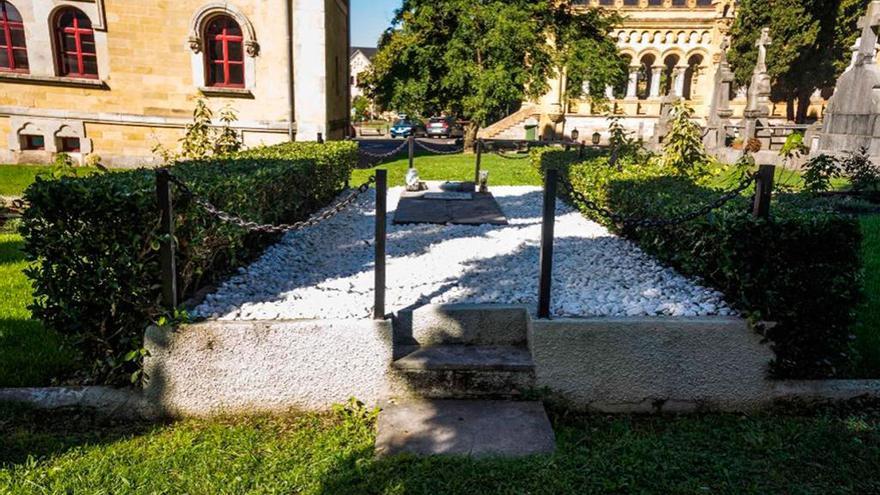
<point>597,138</point>
<point>575,134</point>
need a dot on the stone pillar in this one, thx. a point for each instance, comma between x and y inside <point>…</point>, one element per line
<point>678,76</point>
<point>632,88</point>
<point>656,76</point>
<point>609,92</point>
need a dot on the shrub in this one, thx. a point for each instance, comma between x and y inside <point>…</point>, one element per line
<point>94,240</point>
<point>855,166</point>
<point>683,149</point>
<point>801,269</point>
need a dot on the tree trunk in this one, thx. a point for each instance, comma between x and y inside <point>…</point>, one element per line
<point>803,106</point>
<point>470,136</point>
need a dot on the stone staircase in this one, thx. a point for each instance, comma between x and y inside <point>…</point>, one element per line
<point>464,352</point>
<point>511,127</point>
<point>464,366</point>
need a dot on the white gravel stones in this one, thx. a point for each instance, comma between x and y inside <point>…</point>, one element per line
<point>327,271</point>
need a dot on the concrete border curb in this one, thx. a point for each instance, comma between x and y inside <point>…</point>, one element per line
<point>121,403</point>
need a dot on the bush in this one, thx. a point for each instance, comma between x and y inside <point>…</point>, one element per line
<point>94,240</point>
<point>801,269</point>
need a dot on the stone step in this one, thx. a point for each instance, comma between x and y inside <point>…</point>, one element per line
<point>470,324</point>
<point>467,358</point>
<point>463,372</point>
<point>465,428</point>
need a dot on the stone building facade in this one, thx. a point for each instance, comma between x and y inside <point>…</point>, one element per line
<point>673,48</point>
<point>117,77</point>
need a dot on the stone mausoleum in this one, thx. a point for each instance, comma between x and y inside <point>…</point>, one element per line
<point>115,78</point>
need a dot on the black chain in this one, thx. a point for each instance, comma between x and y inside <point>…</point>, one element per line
<point>382,156</point>
<point>438,152</point>
<point>236,220</point>
<point>630,222</point>
<point>510,157</point>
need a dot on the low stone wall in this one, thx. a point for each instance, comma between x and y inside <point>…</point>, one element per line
<point>648,364</point>
<point>245,367</point>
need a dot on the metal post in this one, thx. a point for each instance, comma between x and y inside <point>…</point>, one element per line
<point>320,138</point>
<point>547,229</point>
<point>764,191</point>
<point>167,256</point>
<point>381,213</point>
<point>581,151</point>
<point>412,150</point>
<point>479,164</point>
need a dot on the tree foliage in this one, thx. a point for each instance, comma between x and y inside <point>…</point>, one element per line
<point>811,45</point>
<point>478,59</point>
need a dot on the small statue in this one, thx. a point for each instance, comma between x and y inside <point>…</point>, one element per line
<point>484,181</point>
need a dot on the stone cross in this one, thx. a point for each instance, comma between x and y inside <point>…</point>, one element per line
<point>763,42</point>
<point>869,24</point>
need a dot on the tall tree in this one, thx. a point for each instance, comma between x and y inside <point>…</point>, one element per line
<point>478,58</point>
<point>811,40</point>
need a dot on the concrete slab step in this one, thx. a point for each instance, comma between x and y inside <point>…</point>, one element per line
<point>465,372</point>
<point>465,428</point>
<point>467,358</point>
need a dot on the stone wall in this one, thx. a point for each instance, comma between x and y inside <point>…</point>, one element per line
<point>152,68</point>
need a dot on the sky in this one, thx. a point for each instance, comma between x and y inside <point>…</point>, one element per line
<point>369,18</point>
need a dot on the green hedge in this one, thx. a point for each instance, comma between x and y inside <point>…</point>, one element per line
<point>801,268</point>
<point>94,240</point>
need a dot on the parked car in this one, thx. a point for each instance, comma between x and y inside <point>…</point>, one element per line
<point>445,127</point>
<point>405,128</point>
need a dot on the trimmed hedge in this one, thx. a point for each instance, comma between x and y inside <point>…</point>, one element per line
<point>94,240</point>
<point>801,269</point>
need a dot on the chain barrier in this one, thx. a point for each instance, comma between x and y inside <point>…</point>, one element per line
<point>438,152</point>
<point>383,156</point>
<point>325,214</point>
<point>628,222</point>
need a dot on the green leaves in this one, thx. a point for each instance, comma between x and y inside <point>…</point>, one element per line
<point>481,59</point>
<point>93,240</point>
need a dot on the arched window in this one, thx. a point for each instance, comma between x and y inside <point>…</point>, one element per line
<point>13,50</point>
<point>224,61</point>
<point>75,44</point>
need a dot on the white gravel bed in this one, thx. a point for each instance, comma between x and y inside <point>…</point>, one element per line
<point>327,271</point>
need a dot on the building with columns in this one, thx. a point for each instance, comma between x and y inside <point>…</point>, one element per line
<point>115,78</point>
<point>672,46</point>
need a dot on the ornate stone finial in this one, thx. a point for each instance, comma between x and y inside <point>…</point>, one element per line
<point>252,48</point>
<point>763,42</point>
<point>869,24</point>
<point>195,44</point>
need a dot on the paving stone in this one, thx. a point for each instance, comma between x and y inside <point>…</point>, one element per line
<point>465,357</point>
<point>465,428</point>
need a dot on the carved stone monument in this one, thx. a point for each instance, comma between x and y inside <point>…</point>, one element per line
<point>719,110</point>
<point>758,102</point>
<point>851,119</point>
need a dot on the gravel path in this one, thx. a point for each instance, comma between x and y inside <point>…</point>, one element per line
<point>326,271</point>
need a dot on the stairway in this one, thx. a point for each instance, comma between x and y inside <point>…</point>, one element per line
<point>511,127</point>
<point>463,367</point>
<point>464,352</point>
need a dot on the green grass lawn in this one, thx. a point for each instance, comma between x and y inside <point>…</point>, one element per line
<point>30,355</point>
<point>332,454</point>
<point>14,179</point>
<point>868,327</point>
<point>502,172</point>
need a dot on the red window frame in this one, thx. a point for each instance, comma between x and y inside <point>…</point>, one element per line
<point>80,27</point>
<point>227,32</point>
<point>7,26</point>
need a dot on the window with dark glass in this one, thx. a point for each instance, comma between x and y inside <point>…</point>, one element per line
<point>13,49</point>
<point>75,45</point>
<point>32,142</point>
<point>69,144</point>
<point>225,53</point>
